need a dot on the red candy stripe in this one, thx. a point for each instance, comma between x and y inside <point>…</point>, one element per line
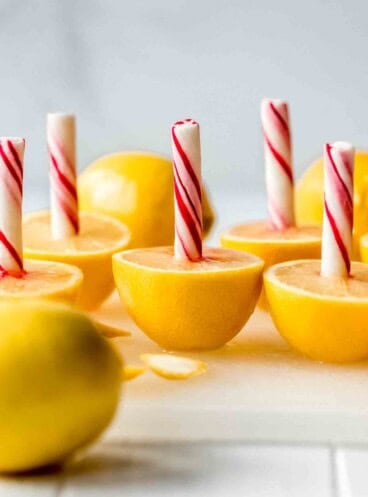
<point>64,198</point>
<point>11,190</point>
<point>279,172</point>
<point>338,209</point>
<point>187,189</point>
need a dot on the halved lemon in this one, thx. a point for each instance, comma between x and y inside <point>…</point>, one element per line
<point>324,318</point>
<point>91,250</point>
<point>272,246</point>
<point>188,305</point>
<point>42,280</point>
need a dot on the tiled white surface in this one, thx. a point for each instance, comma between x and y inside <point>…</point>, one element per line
<point>183,470</point>
<point>41,486</point>
<point>351,472</point>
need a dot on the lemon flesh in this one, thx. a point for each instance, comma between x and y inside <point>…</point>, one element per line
<point>90,250</point>
<point>309,197</point>
<point>323,318</point>
<point>185,305</point>
<point>42,280</point>
<point>273,246</point>
<point>137,189</point>
<point>59,384</point>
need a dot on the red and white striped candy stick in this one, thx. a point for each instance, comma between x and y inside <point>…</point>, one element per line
<point>278,162</point>
<point>64,200</point>
<point>338,209</point>
<point>186,149</point>
<point>11,195</point>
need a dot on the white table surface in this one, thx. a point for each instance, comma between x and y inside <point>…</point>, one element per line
<point>197,469</point>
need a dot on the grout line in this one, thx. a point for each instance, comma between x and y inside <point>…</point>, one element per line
<point>333,472</point>
<point>341,486</point>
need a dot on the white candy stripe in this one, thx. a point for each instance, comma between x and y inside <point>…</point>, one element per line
<point>62,160</point>
<point>338,209</point>
<point>11,193</point>
<point>278,162</point>
<point>187,184</point>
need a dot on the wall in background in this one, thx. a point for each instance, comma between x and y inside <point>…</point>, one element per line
<point>130,68</point>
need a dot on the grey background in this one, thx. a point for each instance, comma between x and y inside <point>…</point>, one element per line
<point>130,68</point>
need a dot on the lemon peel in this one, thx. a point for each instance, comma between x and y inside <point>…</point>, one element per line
<point>136,188</point>
<point>173,367</point>
<point>131,372</point>
<point>111,331</point>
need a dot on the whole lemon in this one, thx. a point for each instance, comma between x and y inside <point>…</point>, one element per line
<point>59,384</point>
<point>309,196</point>
<point>137,189</point>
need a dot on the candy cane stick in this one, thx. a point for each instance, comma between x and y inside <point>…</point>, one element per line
<point>187,185</point>
<point>64,200</point>
<point>278,162</point>
<point>338,209</point>
<point>11,194</point>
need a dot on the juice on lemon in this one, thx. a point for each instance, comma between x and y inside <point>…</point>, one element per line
<point>42,280</point>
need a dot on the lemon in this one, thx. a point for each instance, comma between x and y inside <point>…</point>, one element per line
<point>187,305</point>
<point>324,318</point>
<point>309,196</point>
<point>137,189</point>
<point>364,248</point>
<point>273,246</point>
<point>42,280</point>
<point>90,250</point>
<point>59,384</point>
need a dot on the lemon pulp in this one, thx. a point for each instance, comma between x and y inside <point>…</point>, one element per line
<point>97,233</point>
<point>306,275</point>
<point>263,231</point>
<point>162,258</point>
<point>42,279</point>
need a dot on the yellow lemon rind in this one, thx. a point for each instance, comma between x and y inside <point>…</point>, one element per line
<point>173,367</point>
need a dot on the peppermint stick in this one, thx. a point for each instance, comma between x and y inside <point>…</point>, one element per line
<point>278,163</point>
<point>338,209</point>
<point>11,195</point>
<point>187,186</point>
<point>64,200</point>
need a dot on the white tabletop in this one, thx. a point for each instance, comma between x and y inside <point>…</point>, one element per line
<point>196,469</point>
<point>180,469</point>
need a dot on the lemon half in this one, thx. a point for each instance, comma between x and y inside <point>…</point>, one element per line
<point>90,250</point>
<point>324,318</point>
<point>188,305</point>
